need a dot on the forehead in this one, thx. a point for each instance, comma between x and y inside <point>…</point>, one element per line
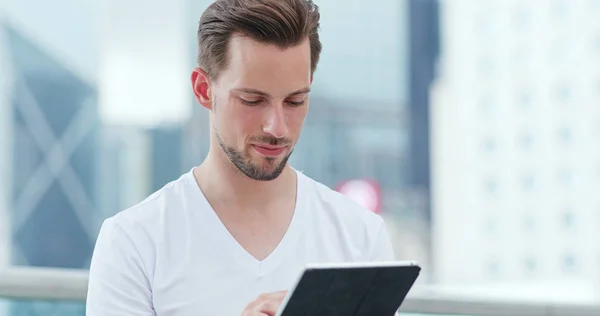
<point>267,67</point>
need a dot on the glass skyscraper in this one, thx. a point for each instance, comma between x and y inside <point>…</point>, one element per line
<point>54,156</point>
<point>49,150</point>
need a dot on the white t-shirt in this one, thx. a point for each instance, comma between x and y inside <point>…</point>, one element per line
<point>171,255</point>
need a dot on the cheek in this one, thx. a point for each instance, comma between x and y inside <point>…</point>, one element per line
<point>295,120</point>
<point>229,122</point>
<point>242,122</point>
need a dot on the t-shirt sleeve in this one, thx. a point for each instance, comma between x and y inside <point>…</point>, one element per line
<point>118,283</point>
<point>381,245</point>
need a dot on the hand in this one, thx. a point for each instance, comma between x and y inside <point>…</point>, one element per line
<point>265,305</point>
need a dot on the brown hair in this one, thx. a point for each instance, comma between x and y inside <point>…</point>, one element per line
<point>285,23</point>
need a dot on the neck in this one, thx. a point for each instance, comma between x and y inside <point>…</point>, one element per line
<point>222,182</point>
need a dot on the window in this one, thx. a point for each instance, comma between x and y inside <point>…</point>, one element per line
<point>525,140</point>
<point>560,9</point>
<point>521,19</point>
<point>568,219</point>
<point>483,24</point>
<point>524,100</point>
<point>565,177</point>
<point>493,268</point>
<point>520,57</point>
<point>569,262</point>
<point>489,144</point>
<point>491,226</point>
<point>490,186</point>
<point>528,182</point>
<point>558,50</point>
<point>564,135</point>
<point>487,106</point>
<point>562,93</point>
<point>528,223</point>
<point>530,265</point>
<point>486,65</point>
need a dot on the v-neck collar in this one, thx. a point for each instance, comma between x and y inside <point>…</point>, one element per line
<point>269,263</point>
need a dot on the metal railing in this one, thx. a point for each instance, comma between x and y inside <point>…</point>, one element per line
<point>43,284</point>
<point>71,285</point>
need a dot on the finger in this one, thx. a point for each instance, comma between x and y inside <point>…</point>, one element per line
<point>271,296</point>
<point>269,307</point>
<point>253,310</point>
<point>265,304</point>
<point>270,303</point>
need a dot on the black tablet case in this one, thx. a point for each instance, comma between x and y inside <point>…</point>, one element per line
<point>363,291</point>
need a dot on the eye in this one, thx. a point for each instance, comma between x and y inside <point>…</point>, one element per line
<point>296,103</point>
<point>251,103</point>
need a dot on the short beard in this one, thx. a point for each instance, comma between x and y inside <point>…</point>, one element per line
<point>244,164</point>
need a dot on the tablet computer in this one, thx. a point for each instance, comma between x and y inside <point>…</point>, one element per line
<point>350,289</point>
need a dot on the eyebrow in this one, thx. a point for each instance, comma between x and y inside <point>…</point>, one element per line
<point>258,92</point>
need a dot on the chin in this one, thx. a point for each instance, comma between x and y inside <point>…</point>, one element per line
<point>268,164</point>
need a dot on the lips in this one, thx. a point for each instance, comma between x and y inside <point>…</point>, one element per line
<point>268,150</point>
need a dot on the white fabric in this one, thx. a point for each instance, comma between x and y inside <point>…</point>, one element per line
<point>171,255</point>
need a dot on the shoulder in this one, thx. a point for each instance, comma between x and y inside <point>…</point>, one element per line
<point>341,208</point>
<point>146,217</point>
<point>131,239</point>
<point>351,228</point>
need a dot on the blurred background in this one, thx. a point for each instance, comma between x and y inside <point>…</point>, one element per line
<point>471,126</point>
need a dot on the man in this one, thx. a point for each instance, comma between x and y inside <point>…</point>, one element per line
<point>232,235</point>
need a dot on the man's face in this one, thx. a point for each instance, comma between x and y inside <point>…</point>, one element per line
<point>259,102</point>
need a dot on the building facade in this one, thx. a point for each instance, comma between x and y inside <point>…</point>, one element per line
<point>515,134</point>
<point>48,107</point>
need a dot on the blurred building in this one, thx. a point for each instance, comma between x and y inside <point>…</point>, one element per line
<point>6,156</point>
<point>166,154</point>
<point>50,140</point>
<point>6,161</point>
<point>423,57</point>
<point>124,165</point>
<point>370,110</point>
<point>365,53</point>
<point>515,155</point>
<point>55,126</point>
<point>137,161</point>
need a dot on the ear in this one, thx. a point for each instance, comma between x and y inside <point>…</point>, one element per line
<point>201,86</point>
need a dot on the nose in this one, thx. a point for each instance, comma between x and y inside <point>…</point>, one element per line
<point>275,122</point>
